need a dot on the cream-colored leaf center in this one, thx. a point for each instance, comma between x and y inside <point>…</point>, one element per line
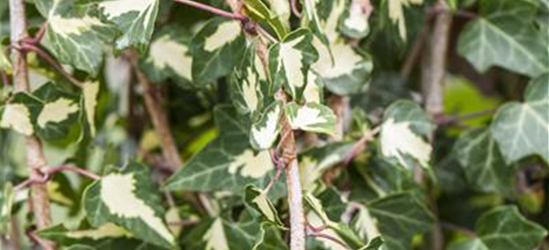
<point>167,53</point>
<point>215,237</point>
<point>224,34</point>
<point>56,111</point>
<point>291,59</point>
<point>266,135</point>
<point>91,90</point>
<point>108,230</point>
<point>306,117</point>
<point>17,117</point>
<point>118,194</point>
<point>251,165</point>
<point>398,140</point>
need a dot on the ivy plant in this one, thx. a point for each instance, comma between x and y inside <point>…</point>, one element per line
<point>274,124</point>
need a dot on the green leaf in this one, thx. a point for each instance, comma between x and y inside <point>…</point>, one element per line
<point>248,85</point>
<point>5,64</point>
<point>265,131</point>
<point>343,70</point>
<point>483,163</point>
<point>522,129</point>
<point>475,244</point>
<point>258,200</point>
<point>227,164</point>
<point>6,204</point>
<point>396,14</point>
<point>169,57</point>
<point>105,237</point>
<point>403,132</point>
<point>400,217</point>
<point>216,49</point>
<point>312,117</point>
<point>134,18</point>
<point>315,161</point>
<point>505,36</point>
<point>365,225</point>
<point>129,199</point>
<point>375,244</point>
<point>48,111</point>
<point>354,23</point>
<point>291,60</point>
<point>505,228</point>
<point>258,11</point>
<point>74,36</point>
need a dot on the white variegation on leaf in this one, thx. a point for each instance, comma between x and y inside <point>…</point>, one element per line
<point>313,92</point>
<point>355,23</point>
<point>90,93</point>
<point>344,71</point>
<point>74,40</point>
<point>225,33</point>
<point>134,18</point>
<point>311,117</point>
<point>107,230</point>
<point>396,14</point>
<point>17,117</point>
<point>398,141</point>
<point>171,57</point>
<point>522,129</point>
<point>314,162</point>
<point>250,164</point>
<point>128,200</point>
<point>5,64</point>
<point>56,111</point>
<point>264,132</point>
<point>291,60</point>
<point>246,83</point>
<point>215,236</point>
<point>365,225</point>
<point>257,199</point>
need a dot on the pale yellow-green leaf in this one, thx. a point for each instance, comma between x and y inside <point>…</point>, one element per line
<point>248,164</point>
<point>90,90</point>
<point>215,237</point>
<point>56,111</point>
<point>262,203</point>
<point>107,230</point>
<point>313,91</point>
<point>17,117</point>
<point>365,225</point>
<point>396,13</point>
<point>310,170</point>
<point>118,194</point>
<point>164,52</point>
<point>290,59</point>
<point>55,194</point>
<point>345,59</point>
<point>224,34</point>
<point>398,140</point>
<point>315,220</point>
<point>281,9</point>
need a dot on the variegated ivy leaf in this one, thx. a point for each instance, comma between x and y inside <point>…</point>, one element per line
<point>319,18</point>
<point>314,91</point>
<point>105,237</point>
<point>248,85</point>
<point>483,163</point>
<point>365,224</point>
<point>355,21</point>
<point>258,200</point>
<point>281,9</point>
<point>290,60</point>
<point>264,132</point>
<point>259,12</point>
<point>314,162</point>
<point>169,57</point>
<point>349,70</point>
<point>312,117</point>
<point>74,39</point>
<point>90,93</point>
<point>506,35</point>
<point>403,134</point>
<point>134,18</point>
<point>129,199</point>
<point>522,129</point>
<point>396,14</point>
<point>217,48</point>
<point>228,163</point>
<point>48,111</point>
<point>17,116</point>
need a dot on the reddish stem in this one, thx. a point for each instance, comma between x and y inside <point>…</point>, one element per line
<point>51,61</point>
<point>214,10</point>
<point>48,172</point>
<point>328,237</point>
<point>293,4</point>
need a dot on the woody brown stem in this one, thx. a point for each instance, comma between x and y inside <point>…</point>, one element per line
<point>40,205</point>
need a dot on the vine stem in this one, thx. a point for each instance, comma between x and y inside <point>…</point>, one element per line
<point>39,201</point>
<point>213,10</point>
<point>48,172</point>
<point>158,117</point>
